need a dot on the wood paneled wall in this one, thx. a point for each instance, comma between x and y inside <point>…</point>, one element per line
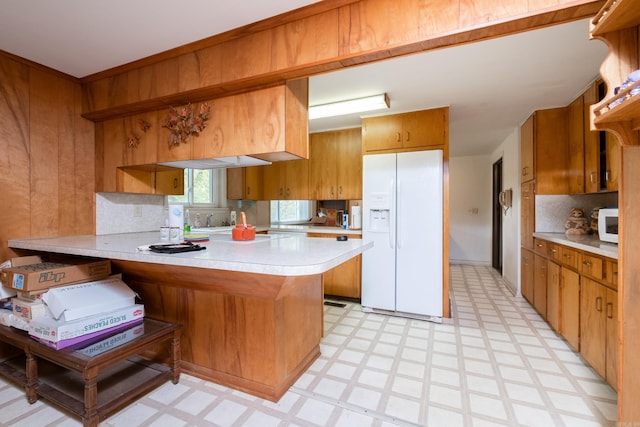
<point>47,156</point>
<point>325,36</point>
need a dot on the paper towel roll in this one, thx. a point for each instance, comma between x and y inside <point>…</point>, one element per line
<point>176,218</point>
<point>356,217</point>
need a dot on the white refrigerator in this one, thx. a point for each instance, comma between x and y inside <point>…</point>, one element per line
<point>402,213</point>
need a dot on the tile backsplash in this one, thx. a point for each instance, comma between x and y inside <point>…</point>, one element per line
<point>552,211</point>
<point>126,213</point>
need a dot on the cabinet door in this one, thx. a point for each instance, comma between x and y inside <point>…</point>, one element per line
<point>594,327</point>
<point>322,164</point>
<point>348,149</point>
<point>426,128</point>
<point>553,295</point>
<point>244,183</point>
<point>527,272</point>
<point>273,181</point>
<point>382,133</point>
<point>527,170</point>
<point>253,183</point>
<point>169,182</point>
<point>551,151</point>
<point>611,313</point>
<point>591,144</point>
<point>344,280</point>
<point>570,306</point>
<point>612,172</point>
<point>540,285</point>
<point>296,179</point>
<point>576,146</point>
<point>527,214</point>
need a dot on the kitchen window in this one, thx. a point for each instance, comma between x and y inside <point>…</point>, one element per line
<point>202,187</point>
<point>291,211</point>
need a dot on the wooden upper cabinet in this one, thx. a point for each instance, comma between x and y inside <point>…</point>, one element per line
<point>527,158</point>
<point>576,156</point>
<point>544,150</point>
<point>335,165</point>
<point>527,214</point>
<point>286,180</point>
<point>550,136</point>
<point>151,179</point>
<point>592,151</point>
<point>413,131</point>
<point>612,165</point>
<point>244,183</point>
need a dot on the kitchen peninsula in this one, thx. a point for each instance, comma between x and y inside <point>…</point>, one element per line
<point>251,311</point>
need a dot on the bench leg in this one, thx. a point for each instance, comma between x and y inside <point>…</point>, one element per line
<point>32,377</point>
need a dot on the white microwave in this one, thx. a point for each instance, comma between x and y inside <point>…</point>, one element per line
<point>608,225</point>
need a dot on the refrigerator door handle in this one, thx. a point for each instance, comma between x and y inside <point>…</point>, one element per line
<point>398,213</point>
<point>392,228</point>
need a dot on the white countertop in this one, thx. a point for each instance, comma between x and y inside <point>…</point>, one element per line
<point>277,254</point>
<point>286,228</point>
<point>588,243</point>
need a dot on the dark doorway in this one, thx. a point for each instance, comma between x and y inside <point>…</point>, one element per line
<point>496,234</point>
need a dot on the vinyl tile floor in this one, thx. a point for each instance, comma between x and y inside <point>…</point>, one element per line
<point>494,363</point>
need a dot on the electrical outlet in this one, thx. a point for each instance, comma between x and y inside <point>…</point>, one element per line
<point>137,211</point>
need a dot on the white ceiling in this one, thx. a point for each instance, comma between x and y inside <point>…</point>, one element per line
<point>490,86</point>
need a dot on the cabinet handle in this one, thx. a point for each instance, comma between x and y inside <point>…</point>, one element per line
<point>340,189</point>
<point>281,191</point>
<point>175,183</point>
<point>288,192</point>
<point>248,190</point>
<point>408,136</point>
<point>592,177</point>
<point>599,303</point>
<point>610,310</point>
<point>587,263</point>
<point>398,137</point>
<point>606,176</point>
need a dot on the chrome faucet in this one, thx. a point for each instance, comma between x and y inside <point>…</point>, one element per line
<point>209,217</point>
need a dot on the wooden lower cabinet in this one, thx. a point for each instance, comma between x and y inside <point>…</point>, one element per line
<point>527,272</point>
<point>344,280</point>
<point>599,332</point>
<point>576,293</point>
<point>540,285</point>
<point>553,295</point>
<point>570,307</point>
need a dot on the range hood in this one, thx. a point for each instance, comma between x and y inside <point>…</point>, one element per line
<point>218,162</point>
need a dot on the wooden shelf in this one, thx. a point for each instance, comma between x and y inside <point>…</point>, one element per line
<point>627,111</point>
<point>616,15</point>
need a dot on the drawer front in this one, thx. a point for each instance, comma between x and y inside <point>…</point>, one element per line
<point>554,251</point>
<point>569,257</point>
<point>540,246</point>
<point>611,273</point>
<point>591,265</point>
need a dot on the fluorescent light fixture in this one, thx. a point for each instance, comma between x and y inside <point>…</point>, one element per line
<point>350,106</point>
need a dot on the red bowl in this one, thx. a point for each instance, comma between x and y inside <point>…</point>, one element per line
<point>243,233</point>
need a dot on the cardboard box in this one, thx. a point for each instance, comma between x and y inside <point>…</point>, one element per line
<point>7,291</point>
<point>89,298</point>
<point>50,329</point>
<point>45,275</point>
<point>98,342</point>
<point>29,310</point>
